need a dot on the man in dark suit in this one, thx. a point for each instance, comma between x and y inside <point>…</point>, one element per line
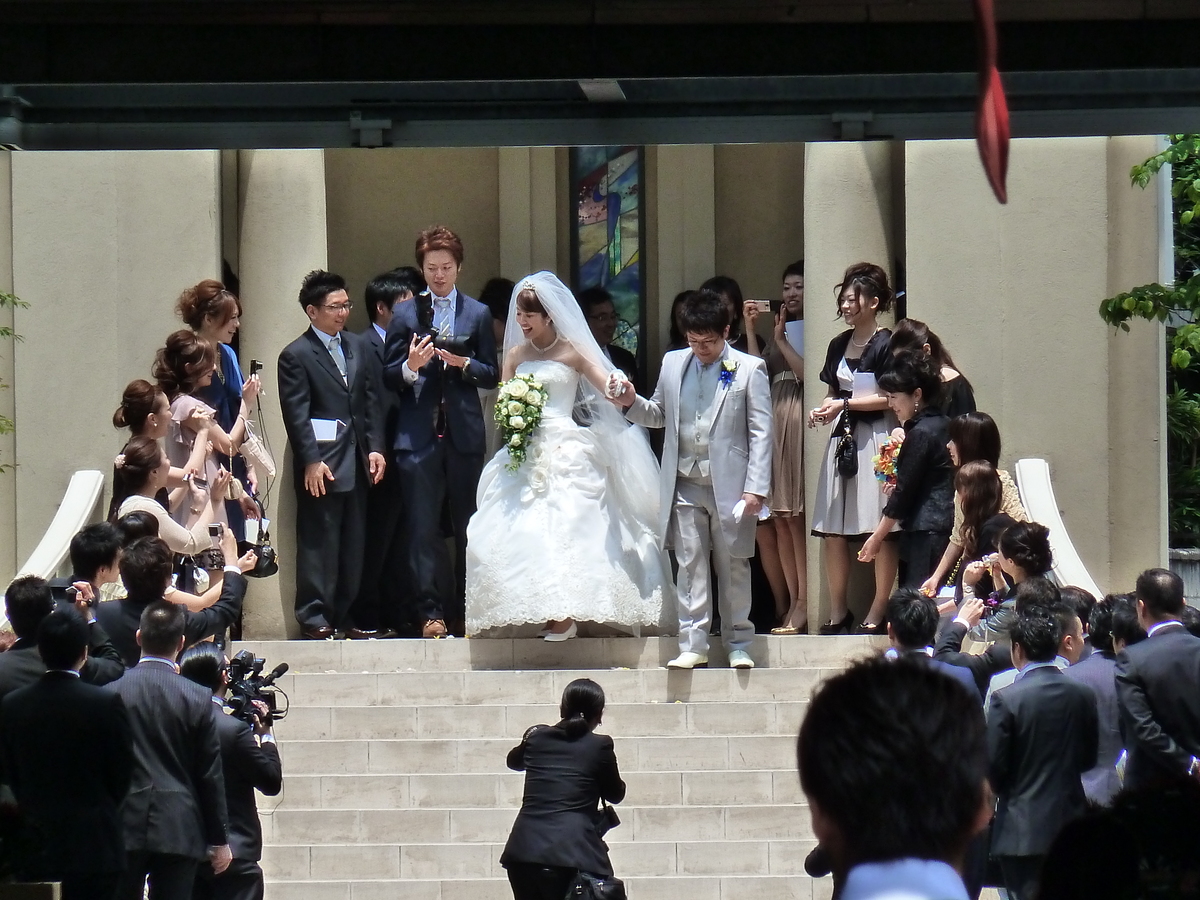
<point>249,765</point>
<point>1158,686</point>
<point>440,351</point>
<point>27,602</point>
<point>66,752</point>
<point>1043,734</point>
<point>146,568</point>
<point>601,313</point>
<point>1098,671</point>
<point>378,606</point>
<point>331,414</point>
<point>175,815</point>
<point>982,666</point>
<point>912,625</point>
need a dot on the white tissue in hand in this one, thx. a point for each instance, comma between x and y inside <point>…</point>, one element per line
<point>615,387</point>
<point>739,510</point>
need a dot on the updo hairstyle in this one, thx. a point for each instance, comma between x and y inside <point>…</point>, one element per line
<point>582,705</point>
<point>179,366</point>
<point>137,403</point>
<point>207,300</point>
<point>865,281</point>
<point>1028,545</point>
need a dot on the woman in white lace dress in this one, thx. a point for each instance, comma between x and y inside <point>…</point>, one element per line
<point>568,534</point>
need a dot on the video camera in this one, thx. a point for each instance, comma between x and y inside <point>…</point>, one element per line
<point>247,683</point>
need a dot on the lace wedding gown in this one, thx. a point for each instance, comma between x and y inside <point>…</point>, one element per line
<point>550,541</point>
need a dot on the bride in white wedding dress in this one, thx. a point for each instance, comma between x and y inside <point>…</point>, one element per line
<point>568,534</point>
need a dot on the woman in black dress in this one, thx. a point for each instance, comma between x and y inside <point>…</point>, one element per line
<point>568,770</point>
<point>957,396</point>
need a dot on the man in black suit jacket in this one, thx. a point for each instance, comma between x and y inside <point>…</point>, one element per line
<point>28,601</point>
<point>982,666</point>
<point>1043,734</point>
<point>1158,686</point>
<point>1098,671</point>
<point>378,606</point>
<point>66,752</point>
<point>146,567</point>
<point>912,625</point>
<point>601,313</point>
<point>248,766</point>
<point>331,414</point>
<point>175,815</point>
<point>440,351</point>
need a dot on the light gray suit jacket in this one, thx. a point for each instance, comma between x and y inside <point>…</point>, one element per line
<point>740,442</point>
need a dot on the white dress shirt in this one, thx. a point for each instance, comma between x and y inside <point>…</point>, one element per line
<point>904,879</point>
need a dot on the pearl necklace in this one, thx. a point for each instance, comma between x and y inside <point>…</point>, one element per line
<point>548,347</point>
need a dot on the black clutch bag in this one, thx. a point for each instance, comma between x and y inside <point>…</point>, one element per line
<point>607,820</point>
<point>845,455</point>
<point>589,887</point>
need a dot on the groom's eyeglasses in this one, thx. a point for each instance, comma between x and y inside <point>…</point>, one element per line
<point>704,343</point>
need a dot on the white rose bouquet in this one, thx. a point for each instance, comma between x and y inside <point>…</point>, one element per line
<point>518,412</point>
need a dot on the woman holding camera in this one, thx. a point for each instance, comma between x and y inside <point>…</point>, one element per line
<point>214,314</point>
<point>568,769</point>
<point>848,506</point>
<point>781,539</point>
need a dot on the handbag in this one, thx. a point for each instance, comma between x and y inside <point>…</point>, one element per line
<point>591,887</point>
<point>607,820</point>
<point>256,452</point>
<point>845,454</point>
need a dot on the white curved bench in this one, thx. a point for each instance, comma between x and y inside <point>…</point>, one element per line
<point>75,511</point>
<point>1037,496</point>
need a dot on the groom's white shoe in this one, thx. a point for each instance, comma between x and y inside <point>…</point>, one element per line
<point>688,660</point>
<point>740,659</point>
<point>562,635</point>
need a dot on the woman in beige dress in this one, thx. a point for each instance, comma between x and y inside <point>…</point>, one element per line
<point>782,538</point>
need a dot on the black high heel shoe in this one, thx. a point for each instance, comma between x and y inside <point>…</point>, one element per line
<point>842,627</point>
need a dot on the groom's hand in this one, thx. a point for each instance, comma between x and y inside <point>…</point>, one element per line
<point>753,505</point>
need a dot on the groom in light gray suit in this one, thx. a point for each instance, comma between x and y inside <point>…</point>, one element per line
<point>715,404</point>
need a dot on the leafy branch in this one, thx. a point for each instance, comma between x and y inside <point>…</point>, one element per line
<point>7,426</point>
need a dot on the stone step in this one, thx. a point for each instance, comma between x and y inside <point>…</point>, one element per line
<point>744,822</point>
<point>430,791</point>
<point>467,755</point>
<point>458,654</point>
<point>301,862</point>
<point>699,887</point>
<point>351,721</point>
<point>524,687</point>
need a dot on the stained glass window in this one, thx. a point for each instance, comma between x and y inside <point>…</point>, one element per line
<point>606,233</point>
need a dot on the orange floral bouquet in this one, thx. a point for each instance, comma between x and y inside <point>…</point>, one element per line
<point>885,462</point>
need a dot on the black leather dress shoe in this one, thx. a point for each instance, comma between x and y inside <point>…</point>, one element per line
<point>316,632</point>
<point>361,634</point>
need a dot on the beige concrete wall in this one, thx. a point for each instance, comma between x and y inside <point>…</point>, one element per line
<point>1013,290</point>
<point>759,211</point>
<point>1137,446</point>
<point>8,442</point>
<point>848,218</point>
<point>380,199</point>
<point>282,219</point>
<point>103,242</point>
<point>528,211</point>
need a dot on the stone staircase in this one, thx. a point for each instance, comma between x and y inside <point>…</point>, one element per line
<point>395,784</point>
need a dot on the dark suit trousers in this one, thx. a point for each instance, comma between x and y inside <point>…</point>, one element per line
<point>329,552</point>
<point>91,886</point>
<point>529,881</point>
<point>1021,875</point>
<point>243,880</point>
<point>430,477</point>
<point>171,877</point>
<point>384,576</point>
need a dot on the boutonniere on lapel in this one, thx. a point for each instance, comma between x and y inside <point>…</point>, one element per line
<point>728,372</point>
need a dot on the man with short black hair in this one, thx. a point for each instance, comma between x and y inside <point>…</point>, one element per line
<point>146,568</point>
<point>912,625</point>
<point>601,314</point>
<point>1043,735</point>
<point>1098,671</point>
<point>94,551</point>
<point>248,766</point>
<point>1158,686</point>
<point>66,752</point>
<point>28,600</point>
<point>893,761</point>
<point>175,815</point>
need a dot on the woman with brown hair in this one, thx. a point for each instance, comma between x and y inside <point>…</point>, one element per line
<point>849,507</point>
<point>214,313</point>
<point>957,396</point>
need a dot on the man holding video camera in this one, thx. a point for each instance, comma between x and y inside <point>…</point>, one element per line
<point>248,764</point>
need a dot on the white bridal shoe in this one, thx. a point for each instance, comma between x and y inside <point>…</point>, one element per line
<point>687,660</point>
<point>740,659</point>
<point>564,636</point>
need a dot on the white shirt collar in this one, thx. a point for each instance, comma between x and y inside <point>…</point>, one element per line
<point>160,659</point>
<point>65,671</point>
<point>453,298</point>
<point>904,879</point>
<point>325,338</point>
<point>379,331</point>
<point>1058,663</point>
<point>1161,625</point>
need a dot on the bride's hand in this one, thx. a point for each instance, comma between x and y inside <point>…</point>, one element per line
<point>625,399</point>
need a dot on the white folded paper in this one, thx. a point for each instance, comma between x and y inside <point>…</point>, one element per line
<point>864,385</point>
<point>795,335</point>
<point>326,429</point>
<point>739,510</point>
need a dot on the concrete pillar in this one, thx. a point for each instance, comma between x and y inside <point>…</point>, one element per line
<point>1137,439</point>
<point>847,219</point>
<point>528,211</point>
<point>8,443</point>
<point>1013,291</point>
<point>682,218</point>
<point>102,244</point>
<point>281,197</point>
